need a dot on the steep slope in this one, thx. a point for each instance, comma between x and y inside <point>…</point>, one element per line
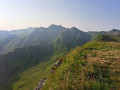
<point>113,32</point>
<point>38,47</point>
<point>29,37</point>
<point>26,65</point>
<point>95,34</point>
<point>4,34</point>
<point>30,78</point>
<point>9,39</point>
<point>22,59</point>
<point>70,39</point>
<point>44,36</point>
<point>3,72</point>
<point>106,38</point>
<point>94,66</point>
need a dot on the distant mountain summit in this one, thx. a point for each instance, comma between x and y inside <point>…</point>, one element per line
<point>73,28</point>
<point>114,32</point>
<point>41,36</point>
<point>54,26</point>
<point>71,38</point>
<point>23,49</point>
<point>53,34</point>
<point>26,48</point>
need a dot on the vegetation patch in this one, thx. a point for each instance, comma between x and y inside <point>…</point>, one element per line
<point>82,70</point>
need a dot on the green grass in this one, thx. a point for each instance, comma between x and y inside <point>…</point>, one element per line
<point>30,78</point>
<point>95,66</point>
<point>108,38</point>
<point>91,73</point>
<point>27,78</point>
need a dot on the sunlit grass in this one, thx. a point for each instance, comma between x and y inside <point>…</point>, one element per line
<point>87,68</point>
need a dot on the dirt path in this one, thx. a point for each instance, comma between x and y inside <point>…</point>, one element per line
<point>3,73</point>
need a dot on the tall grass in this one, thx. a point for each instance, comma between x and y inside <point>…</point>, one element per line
<point>80,71</point>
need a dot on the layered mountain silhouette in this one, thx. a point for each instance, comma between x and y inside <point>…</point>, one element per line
<point>113,32</point>
<point>71,38</point>
<point>9,40</point>
<point>23,49</point>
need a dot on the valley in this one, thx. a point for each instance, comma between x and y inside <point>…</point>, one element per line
<point>59,44</point>
<point>3,72</point>
<point>28,56</point>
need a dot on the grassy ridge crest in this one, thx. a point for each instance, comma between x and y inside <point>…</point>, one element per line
<point>92,66</point>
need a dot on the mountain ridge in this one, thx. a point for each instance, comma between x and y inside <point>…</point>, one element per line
<point>42,45</point>
<point>34,48</point>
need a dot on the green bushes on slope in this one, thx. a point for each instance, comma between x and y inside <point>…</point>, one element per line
<point>106,38</point>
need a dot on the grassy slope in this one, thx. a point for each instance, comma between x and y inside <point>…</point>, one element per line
<point>24,58</point>
<point>30,78</point>
<point>94,66</point>
<point>21,60</point>
<point>108,38</point>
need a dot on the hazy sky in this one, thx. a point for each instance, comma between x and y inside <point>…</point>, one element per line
<point>87,15</point>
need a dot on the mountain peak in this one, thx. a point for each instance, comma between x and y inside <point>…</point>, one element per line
<point>74,28</point>
<point>115,30</point>
<point>53,25</point>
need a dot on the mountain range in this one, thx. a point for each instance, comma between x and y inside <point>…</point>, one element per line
<point>27,49</point>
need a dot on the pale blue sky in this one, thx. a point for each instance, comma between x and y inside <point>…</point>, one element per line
<point>87,15</point>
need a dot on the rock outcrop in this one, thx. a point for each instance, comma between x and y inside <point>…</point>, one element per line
<point>41,84</point>
<point>57,64</point>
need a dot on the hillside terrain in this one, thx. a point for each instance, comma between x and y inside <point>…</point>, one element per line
<point>94,53</point>
<point>108,38</point>
<point>36,47</point>
<point>9,39</point>
<point>94,66</point>
<point>113,32</point>
<point>27,56</point>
